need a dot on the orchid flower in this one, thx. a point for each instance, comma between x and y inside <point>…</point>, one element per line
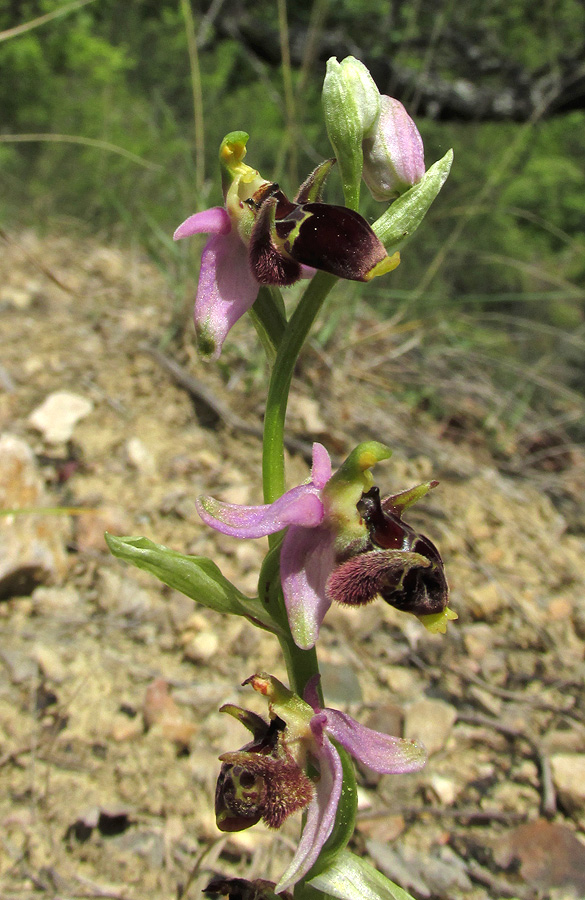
<point>267,776</point>
<point>261,237</point>
<point>342,544</point>
<point>321,520</point>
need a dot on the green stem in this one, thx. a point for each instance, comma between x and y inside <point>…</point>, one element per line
<point>269,318</point>
<point>286,358</point>
<point>300,664</point>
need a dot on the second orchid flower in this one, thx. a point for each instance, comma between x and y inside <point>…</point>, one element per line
<point>342,543</point>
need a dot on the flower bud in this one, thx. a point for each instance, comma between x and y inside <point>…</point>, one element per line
<point>351,104</point>
<point>393,153</point>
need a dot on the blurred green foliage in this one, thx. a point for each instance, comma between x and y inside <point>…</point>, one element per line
<point>506,234</point>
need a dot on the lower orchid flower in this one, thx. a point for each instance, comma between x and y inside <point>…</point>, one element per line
<point>266,778</point>
<point>262,237</point>
<point>342,545</point>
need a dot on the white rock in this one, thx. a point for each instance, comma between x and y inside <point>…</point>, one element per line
<point>568,771</point>
<point>32,547</point>
<point>58,415</point>
<point>430,721</point>
<point>49,662</point>
<point>202,646</point>
<point>140,457</point>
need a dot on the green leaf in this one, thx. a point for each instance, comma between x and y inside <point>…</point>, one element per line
<point>196,576</point>
<point>348,877</point>
<point>404,216</point>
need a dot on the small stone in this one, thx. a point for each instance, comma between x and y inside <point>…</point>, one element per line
<point>32,546</point>
<point>57,603</point>
<point>49,662</point>
<point>402,681</point>
<point>202,646</point>
<point>568,771</point>
<point>384,828</point>
<point>58,415</point>
<point>124,729</point>
<point>445,788</point>
<point>430,721</point>
<point>308,411</point>
<point>550,855</point>
<point>90,527</point>
<point>140,457</point>
<point>485,601</point>
<point>21,667</point>
<point>161,710</point>
<point>564,740</point>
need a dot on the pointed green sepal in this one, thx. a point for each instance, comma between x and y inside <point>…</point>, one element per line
<point>311,189</point>
<point>348,877</point>
<point>247,718</point>
<point>196,576</point>
<point>400,502</point>
<point>403,217</point>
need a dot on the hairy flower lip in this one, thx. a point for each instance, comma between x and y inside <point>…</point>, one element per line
<point>321,520</point>
<point>300,730</point>
<point>383,753</point>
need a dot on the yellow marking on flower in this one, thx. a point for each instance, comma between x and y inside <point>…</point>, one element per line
<point>232,151</point>
<point>437,622</point>
<point>367,459</point>
<point>385,265</point>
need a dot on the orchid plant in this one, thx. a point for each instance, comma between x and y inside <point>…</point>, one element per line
<point>332,538</point>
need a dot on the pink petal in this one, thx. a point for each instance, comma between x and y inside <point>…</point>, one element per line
<point>306,561</point>
<point>381,752</point>
<point>227,289</point>
<point>211,221</point>
<point>321,812</point>
<point>299,506</point>
<point>321,471</point>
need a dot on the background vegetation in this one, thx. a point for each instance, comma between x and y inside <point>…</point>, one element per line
<point>112,113</point>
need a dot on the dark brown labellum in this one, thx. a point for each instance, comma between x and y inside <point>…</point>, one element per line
<point>288,234</point>
<point>260,781</point>
<point>400,565</point>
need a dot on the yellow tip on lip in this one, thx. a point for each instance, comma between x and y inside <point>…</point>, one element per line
<point>385,265</point>
<point>437,622</point>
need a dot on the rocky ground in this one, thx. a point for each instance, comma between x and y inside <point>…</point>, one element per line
<point>110,683</point>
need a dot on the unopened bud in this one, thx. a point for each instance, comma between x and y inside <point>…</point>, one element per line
<point>351,104</point>
<point>393,158</point>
